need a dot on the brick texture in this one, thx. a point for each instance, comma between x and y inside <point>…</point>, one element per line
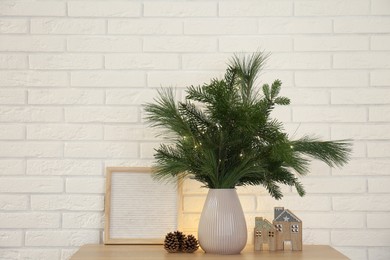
<point>74,76</point>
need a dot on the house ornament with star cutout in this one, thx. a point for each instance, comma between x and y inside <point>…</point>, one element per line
<point>285,227</point>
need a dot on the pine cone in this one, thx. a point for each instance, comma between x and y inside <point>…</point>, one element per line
<point>190,244</point>
<point>171,243</point>
<point>180,237</point>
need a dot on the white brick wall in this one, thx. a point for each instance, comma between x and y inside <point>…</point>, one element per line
<point>74,76</point>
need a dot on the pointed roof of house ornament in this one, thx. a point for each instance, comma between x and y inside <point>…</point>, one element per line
<point>263,223</point>
<point>287,216</point>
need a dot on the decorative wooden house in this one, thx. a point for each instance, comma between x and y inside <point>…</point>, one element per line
<point>288,228</point>
<point>285,227</point>
<point>264,234</point>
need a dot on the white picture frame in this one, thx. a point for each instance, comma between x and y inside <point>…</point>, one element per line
<point>138,209</point>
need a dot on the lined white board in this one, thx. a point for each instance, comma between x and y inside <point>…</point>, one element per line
<point>141,210</point>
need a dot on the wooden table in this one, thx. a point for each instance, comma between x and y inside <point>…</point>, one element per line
<point>156,252</point>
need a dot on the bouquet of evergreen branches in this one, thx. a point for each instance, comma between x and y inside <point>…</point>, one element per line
<point>222,135</point>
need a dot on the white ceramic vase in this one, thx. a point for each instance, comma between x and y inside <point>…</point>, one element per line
<point>222,226</point>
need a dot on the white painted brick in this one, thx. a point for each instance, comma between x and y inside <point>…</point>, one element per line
<point>67,26</point>
<point>380,42</point>
<point>28,253</point>
<point>180,44</point>
<point>316,237</point>
<point>307,203</point>
<point>10,239</point>
<point>360,96</point>
<point>378,149</point>
<point>64,167</point>
<point>179,79</point>
<point>294,25</point>
<point>61,238</point>
<point>379,253</point>
<point>12,96</point>
<point>23,8</point>
<point>147,150</point>
<point>11,132</point>
<point>329,114</point>
<point>292,61</point>
<point>361,132</point>
<point>333,220</point>
<point>13,202</point>
<point>134,132</point>
<point>12,167</point>
<point>30,220</point>
<point>85,185</point>
<point>21,78</point>
<point>298,130</point>
<point>31,149</point>
<point>287,78</point>
<point>130,97</point>
<point>362,203</point>
<point>13,25</point>
<point>326,185</point>
<point>379,185</point>
<point>306,96</point>
<point>101,150</point>
<point>331,78</point>
<point>205,61</point>
<point>255,8</point>
<point>30,114</point>
<point>66,254</point>
<point>31,185</point>
<point>142,61</point>
<point>101,114</point>
<point>67,202</point>
<point>378,220</point>
<point>379,113</point>
<point>362,60</point>
<point>282,114</point>
<point>248,203</point>
<point>319,168</point>
<point>145,26</point>
<point>13,61</point>
<point>364,167</point>
<point>332,8</point>
<point>331,43</point>
<point>64,132</point>
<point>356,253</point>
<point>66,96</point>
<point>83,220</point>
<point>191,222</point>
<point>360,237</point>
<point>380,78</point>
<point>104,9</point>
<point>31,43</point>
<point>193,204</point>
<point>65,61</point>
<point>108,79</point>
<point>368,24</point>
<point>380,7</point>
<point>104,44</point>
<point>122,162</point>
<point>180,9</point>
<point>217,26</point>
<point>191,186</point>
<point>246,43</point>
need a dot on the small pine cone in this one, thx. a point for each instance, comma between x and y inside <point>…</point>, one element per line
<point>171,243</point>
<point>190,244</point>
<point>180,237</point>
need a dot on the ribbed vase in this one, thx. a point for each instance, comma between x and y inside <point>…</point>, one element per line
<point>222,226</point>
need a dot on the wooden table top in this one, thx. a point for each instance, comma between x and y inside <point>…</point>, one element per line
<point>156,252</point>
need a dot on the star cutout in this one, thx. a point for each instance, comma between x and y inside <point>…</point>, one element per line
<point>286,218</point>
